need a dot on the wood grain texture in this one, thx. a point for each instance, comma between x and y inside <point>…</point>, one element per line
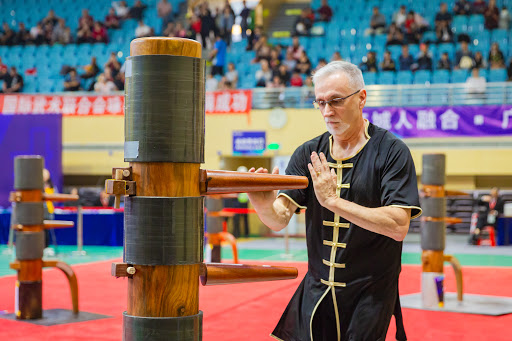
<point>26,195</point>
<point>164,179</point>
<point>57,224</point>
<point>432,261</point>
<point>217,273</point>
<point>164,291</point>
<point>457,268</point>
<point>59,197</point>
<point>30,270</point>
<point>240,182</point>
<point>164,45</point>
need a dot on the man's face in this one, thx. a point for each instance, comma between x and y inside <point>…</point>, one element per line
<point>341,118</point>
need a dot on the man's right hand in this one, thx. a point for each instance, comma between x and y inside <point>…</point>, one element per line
<point>266,198</point>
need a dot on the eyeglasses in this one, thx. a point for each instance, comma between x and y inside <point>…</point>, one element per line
<point>334,103</point>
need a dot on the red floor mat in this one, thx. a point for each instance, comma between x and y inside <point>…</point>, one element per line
<point>248,311</point>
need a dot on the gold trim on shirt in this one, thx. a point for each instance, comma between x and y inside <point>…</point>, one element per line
<point>333,224</point>
<point>411,207</point>
<point>336,265</point>
<point>289,198</point>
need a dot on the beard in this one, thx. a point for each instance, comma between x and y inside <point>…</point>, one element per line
<point>338,128</point>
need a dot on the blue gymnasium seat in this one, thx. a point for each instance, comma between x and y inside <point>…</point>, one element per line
<point>476,23</point>
<point>459,24</point>
<point>441,77</point>
<point>483,73</point>
<point>447,47</point>
<point>500,37</point>
<point>404,77</point>
<point>370,78</point>
<point>386,77</point>
<point>497,75</point>
<point>459,76</point>
<point>422,77</point>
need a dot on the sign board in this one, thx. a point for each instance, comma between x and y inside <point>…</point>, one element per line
<point>249,142</point>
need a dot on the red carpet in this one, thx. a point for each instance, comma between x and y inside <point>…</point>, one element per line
<point>248,311</point>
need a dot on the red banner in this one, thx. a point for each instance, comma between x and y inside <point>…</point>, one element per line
<point>228,102</point>
<point>221,102</point>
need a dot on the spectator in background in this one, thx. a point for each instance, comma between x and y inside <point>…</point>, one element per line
<point>462,7</point>
<point>211,83</point>
<point>113,64</point>
<point>479,7</point>
<point>22,37</point>
<point>37,34</point>
<point>480,62</point>
<point>388,64</point>
<point>207,25</point>
<point>13,81</point>
<point>51,18</point>
<point>3,70</point>
<point>164,11</point>
<point>264,75</point>
<point>283,73</point>
<point>295,48</point>
<point>370,64</point>
<point>325,12</point>
<point>489,209</point>
<point>464,58</point>
<point>443,33</point>
<point>137,11</point>
<point>72,81</point>
<point>405,61</point>
<point>424,61</point>
<point>244,15</point>
<point>262,49</point>
<point>444,62</point>
<point>475,84</point>
<point>226,22</point>
<point>253,39</point>
<point>8,36</point>
<point>112,20</point>
<point>303,65</point>
<point>504,22</point>
<point>275,59</point>
<point>232,75</point>
<point>276,83</point>
<point>91,69</point>
<point>99,33</point>
<point>85,19</point>
<point>496,58</point>
<point>491,15</point>
<point>443,16</point>
<point>142,30</point>
<point>179,31</point>
<point>395,36</point>
<point>48,30</point>
<point>336,56</point>
<point>119,80</point>
<point>121,8</point>
<point>400,16</point>
<point>411,28</point>
<point>377,22</point>
<point>84,35</point>
<point>296,79</point>
<point>59,32</point>
<point>289,61</point>
<point>218,56</point>
<point>321,63</point>
<point>169,30</point>
<point>303,23</point>
<point>103,85</point>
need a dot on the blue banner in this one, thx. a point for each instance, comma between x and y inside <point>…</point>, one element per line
<point>486,120</point>
<point>29,135</point>
<point>249,142</point>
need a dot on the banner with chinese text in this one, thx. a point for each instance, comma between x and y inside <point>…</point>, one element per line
<point>225,102</point>
<point>486,120</point>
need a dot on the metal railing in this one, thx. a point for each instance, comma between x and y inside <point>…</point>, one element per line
<point>393,95</point>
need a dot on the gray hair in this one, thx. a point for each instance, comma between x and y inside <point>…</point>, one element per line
<point>353,73</point>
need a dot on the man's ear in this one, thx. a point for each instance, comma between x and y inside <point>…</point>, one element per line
<point>362,99</point>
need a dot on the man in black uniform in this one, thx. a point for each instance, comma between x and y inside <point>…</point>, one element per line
<point>361,196</point>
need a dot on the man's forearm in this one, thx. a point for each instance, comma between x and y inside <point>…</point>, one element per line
<point>389,221</point>
<point>276,216</point>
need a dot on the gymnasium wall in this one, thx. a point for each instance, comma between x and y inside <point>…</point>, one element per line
<point>93,145</point>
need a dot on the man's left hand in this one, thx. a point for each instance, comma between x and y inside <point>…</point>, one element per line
<point>324,180</point>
